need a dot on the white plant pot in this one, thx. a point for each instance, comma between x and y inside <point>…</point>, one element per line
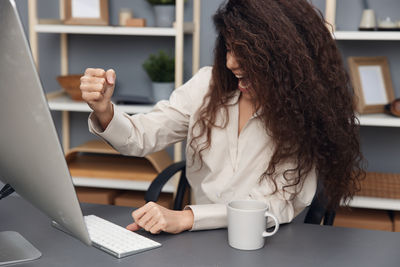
<point>164,15</point>
<point>162,91</point>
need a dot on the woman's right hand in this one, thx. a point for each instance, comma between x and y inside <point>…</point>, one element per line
<point>97,87</point>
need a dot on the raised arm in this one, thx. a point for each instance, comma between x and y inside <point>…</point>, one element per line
<point>141,134</point>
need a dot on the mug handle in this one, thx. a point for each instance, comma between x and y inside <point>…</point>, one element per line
<point>265,233</point>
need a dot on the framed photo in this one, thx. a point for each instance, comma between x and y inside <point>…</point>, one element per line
<point>372,83</point>
<point>86,12</point>
<point>330,14</point>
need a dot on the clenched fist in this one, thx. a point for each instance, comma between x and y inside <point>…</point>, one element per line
<point>97,87</point>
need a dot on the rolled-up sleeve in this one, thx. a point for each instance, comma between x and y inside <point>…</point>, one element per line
<point>208,216</point>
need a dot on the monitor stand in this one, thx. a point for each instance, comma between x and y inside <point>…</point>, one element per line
<point>16,249</point>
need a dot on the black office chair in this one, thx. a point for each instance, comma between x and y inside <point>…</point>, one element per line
<point>316,213</point>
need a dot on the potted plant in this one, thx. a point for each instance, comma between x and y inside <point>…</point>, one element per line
<point>161,70</point>
<point>164,11</point>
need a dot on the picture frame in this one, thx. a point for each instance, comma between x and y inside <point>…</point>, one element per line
<point>86,12</point>
<point>372,83</point>
<point>330,15</point>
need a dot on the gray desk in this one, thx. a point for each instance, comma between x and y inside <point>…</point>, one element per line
<point>295,244</point>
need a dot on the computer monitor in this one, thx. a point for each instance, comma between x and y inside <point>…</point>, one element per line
<point>31,157</point>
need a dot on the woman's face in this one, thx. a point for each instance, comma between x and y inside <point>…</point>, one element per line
<point>233,65</point>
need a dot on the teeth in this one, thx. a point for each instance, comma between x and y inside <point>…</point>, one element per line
<point>243,85</point>
<point>239,76</point>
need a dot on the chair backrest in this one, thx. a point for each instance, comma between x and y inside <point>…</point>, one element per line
<point>315,214</point>
<point>317,211</point>
<point>154,190</point>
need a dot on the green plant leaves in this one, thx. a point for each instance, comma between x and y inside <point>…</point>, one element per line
<point>160,67</point>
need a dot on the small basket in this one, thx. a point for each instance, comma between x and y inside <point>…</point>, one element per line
<point>71,84</point>
<point>381,185</point>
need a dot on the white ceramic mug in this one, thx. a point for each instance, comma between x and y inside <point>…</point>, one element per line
<point>247,222</point>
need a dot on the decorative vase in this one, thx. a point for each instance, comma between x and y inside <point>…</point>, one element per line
<point>164,15</point>
<point>162,91</point>
<point>368,21</point>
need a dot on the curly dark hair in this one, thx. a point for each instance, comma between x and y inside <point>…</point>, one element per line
<point>299,84</point>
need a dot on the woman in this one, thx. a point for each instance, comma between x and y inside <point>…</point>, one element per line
<point>273,113</point>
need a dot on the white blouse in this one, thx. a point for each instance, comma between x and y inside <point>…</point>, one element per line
<point>231,166</point>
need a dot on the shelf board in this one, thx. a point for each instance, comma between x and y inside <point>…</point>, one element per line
<point>367,35</point>
<point>118,184</point>
<point>111,30</point>
<point>63,102</point>
<point>375,203</point>
<point>380,120</point>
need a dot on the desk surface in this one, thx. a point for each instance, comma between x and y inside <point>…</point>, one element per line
<point>295,244</point>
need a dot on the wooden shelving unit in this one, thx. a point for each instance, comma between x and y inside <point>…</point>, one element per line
<point>373,120</point>
<point>58,101</point>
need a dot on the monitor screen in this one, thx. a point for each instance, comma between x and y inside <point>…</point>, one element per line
<point>31,159</point>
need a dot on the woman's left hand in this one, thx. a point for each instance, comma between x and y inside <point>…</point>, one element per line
<point>155,218</point>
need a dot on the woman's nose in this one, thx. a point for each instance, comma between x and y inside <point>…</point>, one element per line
<point>231,62</point>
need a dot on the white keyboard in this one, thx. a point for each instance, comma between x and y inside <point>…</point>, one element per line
<point>115,239</point>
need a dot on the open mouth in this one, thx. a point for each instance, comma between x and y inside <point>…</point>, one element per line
<point>243,85</point>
